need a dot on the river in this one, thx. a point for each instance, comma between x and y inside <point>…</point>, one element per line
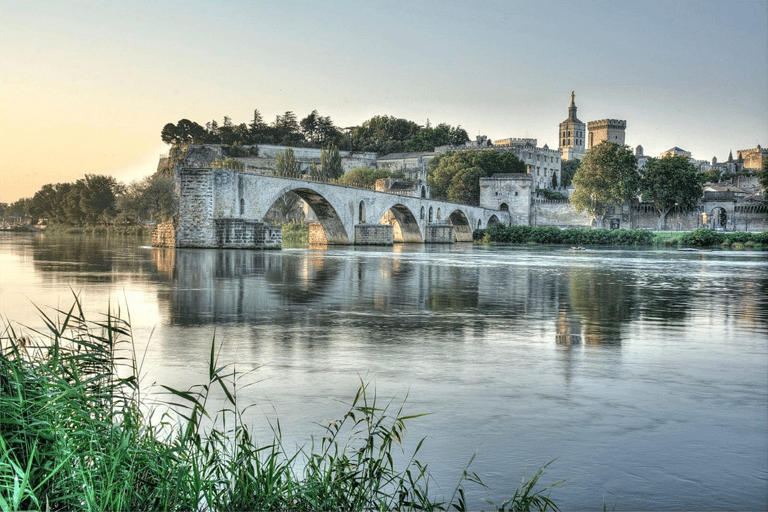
<point>642,374</point>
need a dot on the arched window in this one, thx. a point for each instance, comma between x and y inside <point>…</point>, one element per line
<point>423,193</point>
<point>430,215</point>
<point>242,206</point>
<point>479,224</point>
<point>504,207</point>
<point>361,213</point>
<point>438,214</point>
<point>422,212</point>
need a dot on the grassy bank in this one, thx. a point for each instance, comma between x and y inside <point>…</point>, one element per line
<point>703,237</point>
<point>62,229</point>
<point>76,433</point>
<point>295,235</point>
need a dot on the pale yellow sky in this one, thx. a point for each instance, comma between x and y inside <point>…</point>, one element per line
<point>86,86</point>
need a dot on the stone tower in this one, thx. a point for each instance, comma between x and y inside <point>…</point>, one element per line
<point>611,130</point>
<point>572,134</point>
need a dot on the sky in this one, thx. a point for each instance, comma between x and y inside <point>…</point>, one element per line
<point>86,86</point>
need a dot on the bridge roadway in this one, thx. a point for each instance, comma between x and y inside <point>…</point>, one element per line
<point>210,194</point>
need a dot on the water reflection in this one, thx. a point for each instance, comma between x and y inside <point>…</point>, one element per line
<point>623,365</point>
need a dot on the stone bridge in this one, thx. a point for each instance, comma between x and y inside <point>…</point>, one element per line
<point>225,207</point>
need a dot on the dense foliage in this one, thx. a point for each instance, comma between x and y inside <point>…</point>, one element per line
<point>670,182</point>
<point>79,434</point>
<point>607,177</point>
<point>568,170</point>
<point>762,176</point>
<point>365,177</point>
<point>456,176</point>
<point>503,234</point>
<point>380,134</point>
<point>704,237</point>
<point>98,200</point>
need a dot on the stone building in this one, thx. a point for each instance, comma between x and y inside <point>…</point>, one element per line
<point>413,165</point>
<point>752,158</point>
<point>542,164</point>
<point>572,139</point>
<point>611,130</point>
<point>675,151</point>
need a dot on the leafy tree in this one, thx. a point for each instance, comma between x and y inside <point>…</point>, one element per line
<point>762,176</point>
<point>153,198</point>
<point>669,182</point>
<point>455,176</point>
<point>365,177</point>
<point>330,164</point>
<point>607,177</point>
<point>286,165</point>
<point>568,169</point>
<point>97,198</point>
<point>712,176</point>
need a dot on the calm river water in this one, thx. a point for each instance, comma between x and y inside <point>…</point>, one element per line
<point>643,374</point>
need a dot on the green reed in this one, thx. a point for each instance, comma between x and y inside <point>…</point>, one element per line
<point>77,433</point>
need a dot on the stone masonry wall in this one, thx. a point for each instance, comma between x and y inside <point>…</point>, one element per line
<point>317,234</point>
<point>164,234</point>
<point>195,225</point>
<point>558,213</point>
<point>439,234</point>
<point>374,234</point>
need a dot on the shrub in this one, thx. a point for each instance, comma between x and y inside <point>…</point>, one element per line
<point>702,237</point>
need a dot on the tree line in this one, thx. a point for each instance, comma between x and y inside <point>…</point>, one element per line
<point>379,134</point>
<point>99,200</point>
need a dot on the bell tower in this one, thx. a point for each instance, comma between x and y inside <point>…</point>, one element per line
<point>572,134</point>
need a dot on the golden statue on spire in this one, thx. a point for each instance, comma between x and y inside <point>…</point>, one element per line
<point>573,98</point>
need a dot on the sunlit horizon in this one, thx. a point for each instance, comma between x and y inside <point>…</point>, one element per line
<point>88,86</point>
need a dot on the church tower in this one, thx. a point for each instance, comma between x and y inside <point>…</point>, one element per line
<point>572,134</point>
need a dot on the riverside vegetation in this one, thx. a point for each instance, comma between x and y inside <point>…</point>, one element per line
<point>78,432</point>
<point>702,237</point>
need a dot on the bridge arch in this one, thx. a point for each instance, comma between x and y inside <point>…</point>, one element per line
<point>492,221</point>
<point>462,229</point>
<point>405,225</point>
<point>324,210</point>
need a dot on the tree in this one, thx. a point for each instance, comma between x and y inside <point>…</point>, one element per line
<point>330,164</point>
<point>762,176</point>
<point>669,182</point>
<point>607,177</point>
<point>153,198</point>
<point>286,165</point>
<point>365,177</point>
<point>456,176</point>
<point>568,169</point>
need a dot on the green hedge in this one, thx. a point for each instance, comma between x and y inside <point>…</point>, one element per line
<point>503,234</point>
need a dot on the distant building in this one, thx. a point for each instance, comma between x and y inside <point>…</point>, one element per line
<point>413,165</point>
<point>543,164</point>
<point>752,158</point>
<point>641,158</point>
<point>572,138</point>
<point>611,130</point>
<point>675,151</point>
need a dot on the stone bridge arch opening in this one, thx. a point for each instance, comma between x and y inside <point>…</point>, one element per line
<point>462,229</point>
<point>405,226</point>
<point>326,214</point>
<point>493,221</point>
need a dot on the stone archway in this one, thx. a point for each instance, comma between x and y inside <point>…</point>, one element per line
<point>333,226</point>
<point>462,229</point>
<point>405,226</point>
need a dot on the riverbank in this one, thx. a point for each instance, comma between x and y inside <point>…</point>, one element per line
<point>501,234</point>
<point>62,229</point>
<point>78,433</point>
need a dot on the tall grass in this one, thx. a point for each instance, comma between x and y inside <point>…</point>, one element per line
<point>76,433</point>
